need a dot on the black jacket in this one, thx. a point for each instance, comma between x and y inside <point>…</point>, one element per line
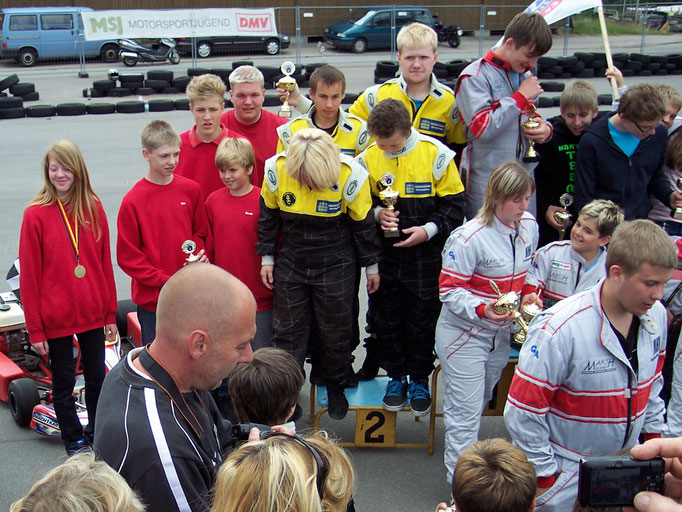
<point>605,172</point>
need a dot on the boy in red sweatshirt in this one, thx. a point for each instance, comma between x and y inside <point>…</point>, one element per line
<point>161,224</point>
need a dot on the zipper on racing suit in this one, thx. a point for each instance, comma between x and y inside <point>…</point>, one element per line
<point>628,394</point>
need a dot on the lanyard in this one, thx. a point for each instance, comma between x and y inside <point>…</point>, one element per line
<point>73,233</point>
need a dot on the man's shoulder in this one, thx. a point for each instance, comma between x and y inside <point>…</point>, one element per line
<point>130,197</point>
<point>580,312</point>
<point>272,119</point>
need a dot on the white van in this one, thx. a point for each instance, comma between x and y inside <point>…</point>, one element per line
<point>30,33</point>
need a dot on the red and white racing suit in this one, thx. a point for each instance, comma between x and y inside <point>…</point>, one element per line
<point>472,349</point>
<point>575,393</point>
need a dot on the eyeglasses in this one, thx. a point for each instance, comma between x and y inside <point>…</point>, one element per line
<point>645,130</point>
<point>320,459</point>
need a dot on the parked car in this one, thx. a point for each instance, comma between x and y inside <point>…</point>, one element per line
<point>370,28</point>
<point>207,46</point>
<point>32,33</point>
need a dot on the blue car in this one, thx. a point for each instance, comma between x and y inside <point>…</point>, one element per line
<point>368,28</point>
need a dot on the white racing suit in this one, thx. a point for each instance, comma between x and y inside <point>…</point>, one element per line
<point>575,394</point>
<point>473,350</point>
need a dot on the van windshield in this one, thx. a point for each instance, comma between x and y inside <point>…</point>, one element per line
<point>358,16</point>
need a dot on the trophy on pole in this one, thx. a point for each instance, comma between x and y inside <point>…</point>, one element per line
<point>530,124</point>
<point>288,83</point>
<point>389,197</point>
<point>564,218</point>
<point>510,302</point>
<point>188,247</point>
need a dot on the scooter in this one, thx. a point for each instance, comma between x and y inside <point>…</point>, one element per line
<point>133,51</point>
<point>450,34</point>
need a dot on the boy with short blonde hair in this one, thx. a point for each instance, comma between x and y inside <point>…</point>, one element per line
<point>150,255</point>
<point>673,103</point>
<point>197,150</point>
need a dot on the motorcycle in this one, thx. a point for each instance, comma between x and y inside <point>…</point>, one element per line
<point>133,51</point>
<point>450,34</point>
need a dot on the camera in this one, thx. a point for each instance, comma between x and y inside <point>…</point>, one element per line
<point>613,481</point>
<point>240,431</point>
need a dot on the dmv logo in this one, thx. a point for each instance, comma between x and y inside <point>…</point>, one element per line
<point>107,24</point>
<point>251,23</point>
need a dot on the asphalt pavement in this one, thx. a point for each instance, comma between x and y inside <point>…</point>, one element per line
<point>399,480</point>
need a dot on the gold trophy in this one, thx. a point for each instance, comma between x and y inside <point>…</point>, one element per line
<point>188,247</point>
<point>528,312</point>
<point>677,212</point>
<point>288,83</point>
<point>531,155</point>
<point>389,197</point>
<point>510,302</point>
<point>564,218</point>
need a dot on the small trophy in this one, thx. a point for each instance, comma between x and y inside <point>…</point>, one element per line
<point>510,302</point>
<point>389,197</point>
<point>528,312</point>
<point>188,247</point>
<point>288,83</point>
<point>677,212</point>
<point>564,218</point>
<point>531,155</point>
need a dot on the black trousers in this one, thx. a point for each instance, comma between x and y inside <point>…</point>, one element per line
<point>61,351</point>
<point>147,321</point>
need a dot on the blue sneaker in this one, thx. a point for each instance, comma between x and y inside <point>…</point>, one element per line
<point>420,398</point>
<point>396,394</point>
<point>76,447</point>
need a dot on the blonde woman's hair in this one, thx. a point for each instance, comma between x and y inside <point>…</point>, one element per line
<point>81,484</point>
<point>415,35</point>
<point>509,180</point>
<point>205,87</point>
<point>313,159</point>
<point>80,201</point>
<point>233,151</point>
<point>280,474</point>
<point>158,133</point>
<point>245,75</point>
<point>606,214</point>
<point>637,242</point>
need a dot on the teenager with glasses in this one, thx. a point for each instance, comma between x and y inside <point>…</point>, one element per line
<point>286,473</point>
<point>621,157</point>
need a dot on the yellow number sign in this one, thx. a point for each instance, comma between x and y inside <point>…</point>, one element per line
<point>375,427</point>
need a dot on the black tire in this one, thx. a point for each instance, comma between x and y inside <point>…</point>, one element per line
<point>9,81</point>
<point>182,104</point>
<point>543,102</point>
<point>13,113</point>
<point>27,57</point>
<point>380,79</point>
<point>659,59</point>
<point>124,307</point>
<point>620,57</point>
<point>144,91</point>
<point>271,100</point>
<point>11,102</point>
<point>171,90</point>
<point>119,92</point>
<point>130,107</point>
<point>585,73</point>
<point>585,57</point>
<point>653,66</point>
<point>635,65</point>
<point>109,52</point>
<point>161,105</point>
<point>546,76</point>
<point>598,64</point>
<point>103,85</point>
<point>197,71</point>
<point>565,75</point>
<point>567,62</point>
<point>71,109</point>
<point>350,98</point>
<point>661,72</point>
<point>130,61</point>
<point>577,67</point>
<point>174,57</point>
<point>604,99</point>
<point>557,70</point>
<point>439,72</point>
<point>645,72</point>
<point>31,96</point>
<point>271,71</point>
<point>181,82</point>
<point>159,74</point>
<point>102,108</point>
<point>386,68</point>
<point>41,111</point>
<point>670,66</point>
<point>646,59</point>
<point>22,88</point>
<point>556,100</point>
<point>131,77</point>
<point>547,62</point>
<point>272,46</point>
<point>133,85</point>
<point>23,397</point>
<point>359,45</point>
<point>94,93</point>
<point>157,84</point>
<point>552,86</point>
<point>455,67</point>
<point>309,68</point>
<point>204,49</point>
<point>628,72</point>
<point>454,41</point>
<point>237,63</point>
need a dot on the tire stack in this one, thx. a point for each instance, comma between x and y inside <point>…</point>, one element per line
<point>385,70</point>
<point>12,107</point>
<point>585,65</point>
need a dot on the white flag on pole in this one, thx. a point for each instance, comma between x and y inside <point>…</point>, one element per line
<point>555,10</point>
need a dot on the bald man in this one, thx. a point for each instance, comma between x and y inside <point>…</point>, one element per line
<point>157,424</point>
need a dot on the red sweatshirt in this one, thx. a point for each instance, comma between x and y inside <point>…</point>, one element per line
<point>231,241</point>
<point>153,222</point>
<point>197,159</point>
<point>56,303</point>
<point>262,135</point>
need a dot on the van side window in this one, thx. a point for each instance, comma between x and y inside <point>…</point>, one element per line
<point>402,18</point>
<point>56,21</point>
<point>23,22</point>
<point>382,19</point>
<point>423,17</point>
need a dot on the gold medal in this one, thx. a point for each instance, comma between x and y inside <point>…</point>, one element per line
<point>79,271</point>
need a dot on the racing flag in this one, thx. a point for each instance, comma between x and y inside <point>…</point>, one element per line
<point>555,10</point>
<point>13,278</point>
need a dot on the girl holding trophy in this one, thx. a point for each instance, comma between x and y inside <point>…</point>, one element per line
<point>472,336</point>
<point>67,284</point>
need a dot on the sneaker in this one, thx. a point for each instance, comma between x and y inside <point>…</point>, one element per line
<point>396,393</point>
<point>76,447</point>
<point>338,403</point>
<point>370,367</point>
<point>420,398</point>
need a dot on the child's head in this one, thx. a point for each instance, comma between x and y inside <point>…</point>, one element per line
<point>81,484</point>
<point>390,124</point>
<point>206,95</point>
<point>494,475</point>
<point>158,133</point>
<point>327,75</point>
<point>594,226</point>
<point>338,486</point>
<point>579,106</point>
<point>643,107</point>
<point>673,157</point>
<point>161,148</point>
<point>266,389</point>
<point>246,75</point>
<point>247,93</point>
<point>526,38</point>
<point>235,159</point>
<point>327,90</point>
<point>417,53</point>
<point>64,172</point>
<point>673,103</point>
<point>507,193</point>
<point>206,87</point>
<point>637,243</point>
<point>313,159</point>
